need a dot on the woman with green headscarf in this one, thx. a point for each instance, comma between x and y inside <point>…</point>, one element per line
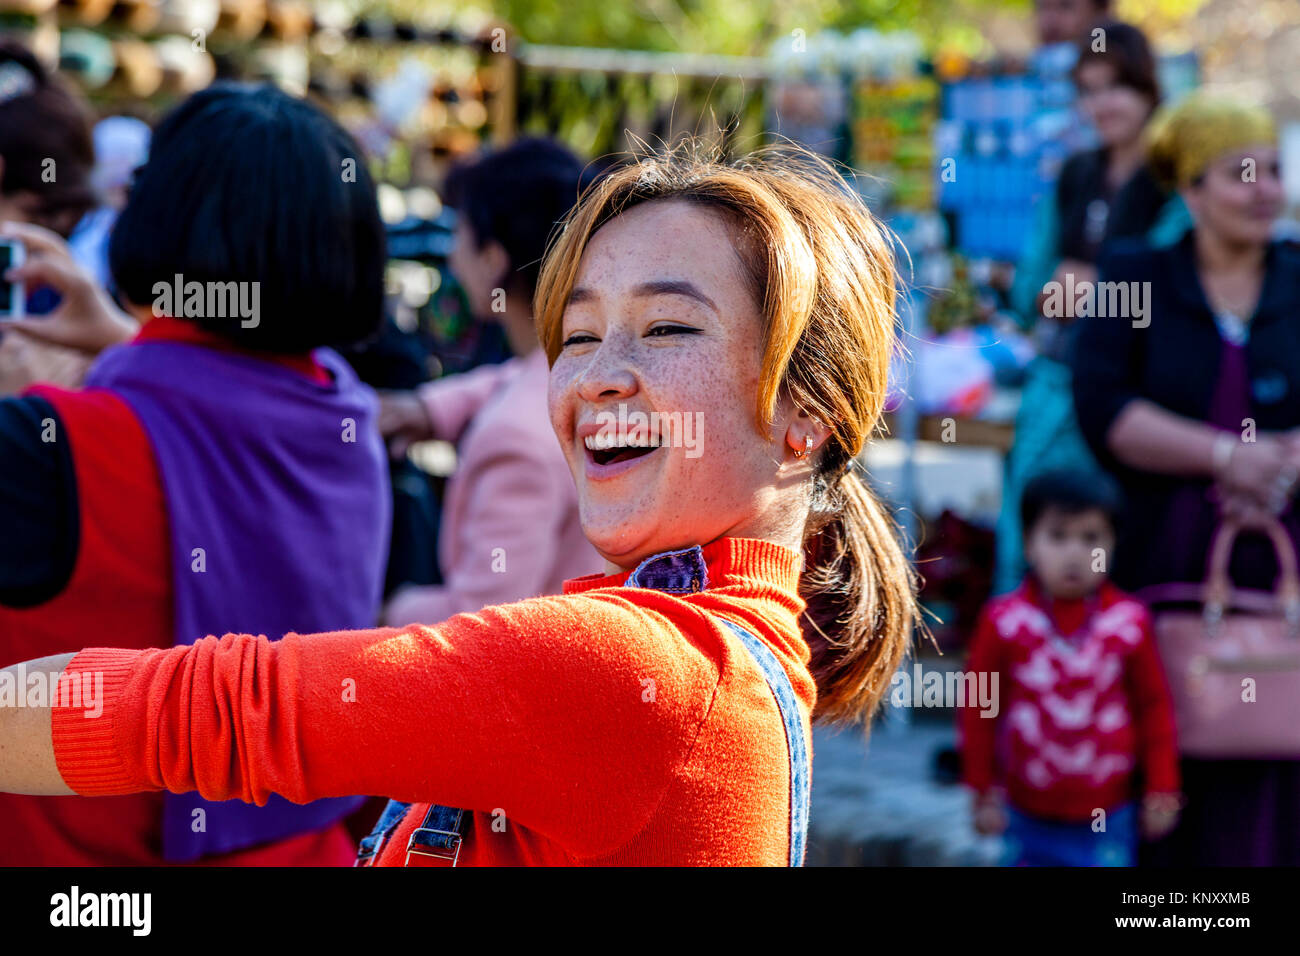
<point>1192,396</point>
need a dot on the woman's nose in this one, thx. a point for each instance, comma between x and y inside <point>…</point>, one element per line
<point>1271,186</point>
<point>609,374</point>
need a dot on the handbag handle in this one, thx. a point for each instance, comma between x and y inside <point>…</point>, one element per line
<point>1218,586</point>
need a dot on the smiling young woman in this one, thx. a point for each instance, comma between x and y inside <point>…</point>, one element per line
<point>658,714</point>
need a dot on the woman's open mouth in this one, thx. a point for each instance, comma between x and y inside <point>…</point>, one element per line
<point>606,453</point>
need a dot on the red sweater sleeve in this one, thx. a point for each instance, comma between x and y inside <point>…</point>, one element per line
<point>536,708</point>
<point>979,733</point>
<point>1154,714</point>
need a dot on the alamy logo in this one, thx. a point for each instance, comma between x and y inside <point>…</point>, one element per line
<point>84,689</point>
<point>1113,300</point>
<point>132,910</point>
<point>946,689</point>
<point>209,300</point>
<point>638,429</point>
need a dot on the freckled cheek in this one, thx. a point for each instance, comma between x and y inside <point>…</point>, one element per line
<point>706,385</point>
<point>694,382</point>
<point>559,399</point>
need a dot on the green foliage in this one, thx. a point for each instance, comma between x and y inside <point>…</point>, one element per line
<point>738,27</point>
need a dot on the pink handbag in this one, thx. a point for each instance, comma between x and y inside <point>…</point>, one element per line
<point>1212,657</point>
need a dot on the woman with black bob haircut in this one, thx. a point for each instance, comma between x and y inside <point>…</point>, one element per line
<point>248,184</point>
<point>217,464</point>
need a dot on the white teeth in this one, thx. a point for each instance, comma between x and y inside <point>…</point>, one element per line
<point>602,442</point>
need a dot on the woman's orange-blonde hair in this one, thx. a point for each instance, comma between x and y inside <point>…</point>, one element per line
<point>823,270</point>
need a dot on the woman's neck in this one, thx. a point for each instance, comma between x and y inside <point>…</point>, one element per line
<point>778,528</point>
<point>1231,273</point>
<point>1123,160</point>
<point>1219,256</point>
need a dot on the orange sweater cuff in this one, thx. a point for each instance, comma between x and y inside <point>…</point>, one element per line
<point>83,733</point>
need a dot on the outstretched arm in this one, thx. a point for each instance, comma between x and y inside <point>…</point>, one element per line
<point>531,707</point>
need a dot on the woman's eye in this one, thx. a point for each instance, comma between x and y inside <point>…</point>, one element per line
<point>578,338</point>
<point>659,330</point>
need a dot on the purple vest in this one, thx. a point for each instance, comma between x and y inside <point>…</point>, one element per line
<point>278,509</point>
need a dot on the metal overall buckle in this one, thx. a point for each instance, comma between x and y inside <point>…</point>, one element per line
<point>450,852</point>
<point>368,857</point>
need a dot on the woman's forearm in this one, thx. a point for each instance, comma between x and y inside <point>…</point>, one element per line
<point>1151,438</point>
<point>27,693</point>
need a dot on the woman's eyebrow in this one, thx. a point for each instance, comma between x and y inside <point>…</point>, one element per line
<point>674,287</point>
<point>581,294</point>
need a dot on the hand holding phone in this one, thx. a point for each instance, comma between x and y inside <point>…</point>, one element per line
<point>13,294</point>
<point>86,318</point>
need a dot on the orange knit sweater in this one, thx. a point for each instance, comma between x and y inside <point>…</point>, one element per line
<point>609,725</point>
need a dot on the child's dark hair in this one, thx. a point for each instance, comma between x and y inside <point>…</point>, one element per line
<point>1072,491</point>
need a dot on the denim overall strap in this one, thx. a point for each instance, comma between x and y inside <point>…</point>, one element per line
<point>368,851</point>
<point>685,572</point>
<point>438,836</point>
<point>800,769</point>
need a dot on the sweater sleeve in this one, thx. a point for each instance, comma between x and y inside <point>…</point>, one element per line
<point>1154,715</point>
<point>507,532</point>
<point>534,708</point>
<point>979,730</point>
<point>452,402</point>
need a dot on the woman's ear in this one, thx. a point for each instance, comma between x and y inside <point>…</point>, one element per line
<point>805,434</point>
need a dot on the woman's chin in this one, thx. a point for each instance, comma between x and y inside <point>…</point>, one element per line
<point>615,541</point>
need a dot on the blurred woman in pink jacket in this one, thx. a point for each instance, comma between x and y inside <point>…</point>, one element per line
<point>510,526</point>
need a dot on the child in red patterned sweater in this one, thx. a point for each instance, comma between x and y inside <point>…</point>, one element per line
<point>1085,720</point>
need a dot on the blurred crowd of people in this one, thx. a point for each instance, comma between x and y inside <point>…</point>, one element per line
<point>1161,412</point>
